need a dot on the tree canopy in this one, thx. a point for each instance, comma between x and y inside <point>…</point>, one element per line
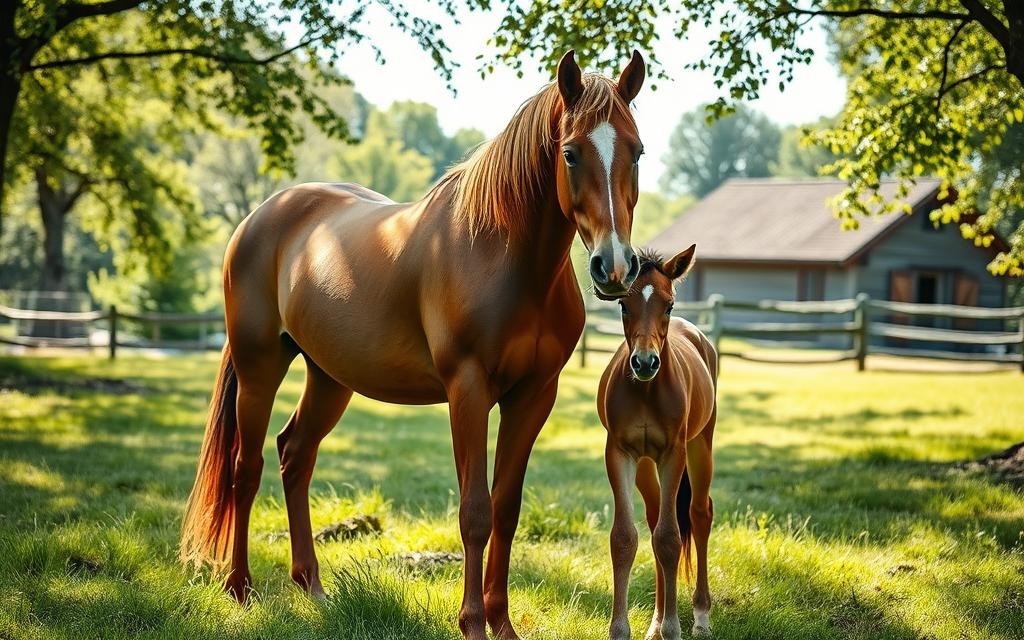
<point>934,87</point>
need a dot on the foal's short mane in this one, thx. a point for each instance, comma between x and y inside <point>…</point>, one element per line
<point>650,260</point>
<point>505,177</point>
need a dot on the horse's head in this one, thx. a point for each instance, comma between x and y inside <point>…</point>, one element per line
<point>647,309</point>
<point>597,168</point>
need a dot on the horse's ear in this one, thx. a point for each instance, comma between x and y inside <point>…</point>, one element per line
<point>632,77</point>
<point>570,79</point>
<point>678,266</point>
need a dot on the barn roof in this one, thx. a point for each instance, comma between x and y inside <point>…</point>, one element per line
<point>773,220</point>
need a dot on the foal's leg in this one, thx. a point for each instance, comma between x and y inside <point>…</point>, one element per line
<point>523,412</point>
<point>469,404</point>
<point>650,489</point>
<point>260,371</point>
<point>667,541</point>
<point>622,476</point>
<point>322,403</point>
<point>699,463</point>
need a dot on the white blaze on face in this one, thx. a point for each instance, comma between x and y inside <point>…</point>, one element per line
<point>603,137</point>
<point>647,291</point>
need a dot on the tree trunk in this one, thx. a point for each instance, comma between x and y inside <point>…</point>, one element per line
<point>10,86</point>
<point>53,208</point>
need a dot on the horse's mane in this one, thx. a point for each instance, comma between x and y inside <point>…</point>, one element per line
<point>504,178</point>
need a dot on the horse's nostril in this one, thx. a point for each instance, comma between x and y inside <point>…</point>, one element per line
<point>597,270</point>
<point>634,268</point>
<point>635,362</point>
<point>655,362</point>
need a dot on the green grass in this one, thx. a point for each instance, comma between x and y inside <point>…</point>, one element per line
<point>838,514</point>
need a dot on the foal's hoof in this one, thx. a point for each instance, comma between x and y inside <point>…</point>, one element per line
<point>701,630</point>
<point>654,631</point>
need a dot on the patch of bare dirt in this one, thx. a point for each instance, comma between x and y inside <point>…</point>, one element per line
<point>353,527</point>
<point>1007,465</point>
<point>429,560</point>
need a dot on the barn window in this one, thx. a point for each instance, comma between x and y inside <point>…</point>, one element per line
<point>810,284</point>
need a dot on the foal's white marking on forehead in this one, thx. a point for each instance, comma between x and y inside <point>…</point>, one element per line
<point>647,291</point>
<point>603,137</point>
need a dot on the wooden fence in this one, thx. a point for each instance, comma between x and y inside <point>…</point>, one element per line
<point>852,317</point>
<point>856,318</point>
<point>113,320</point>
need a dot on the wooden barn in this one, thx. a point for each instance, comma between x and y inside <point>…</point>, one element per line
<point>777,239</point>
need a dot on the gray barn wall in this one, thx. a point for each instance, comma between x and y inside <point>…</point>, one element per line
<point>911,246</point>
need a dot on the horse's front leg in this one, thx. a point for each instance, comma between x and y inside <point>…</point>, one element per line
<point>469,403</point>
<point>668,542</point>
<point>523,413</point>
<point>622,476</point>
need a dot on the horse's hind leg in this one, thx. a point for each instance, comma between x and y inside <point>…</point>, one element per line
<point>260,369</point>
<point>322,403</point>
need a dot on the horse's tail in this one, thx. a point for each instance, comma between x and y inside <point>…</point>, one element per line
<point>685,526</point>
<point>208,526</point>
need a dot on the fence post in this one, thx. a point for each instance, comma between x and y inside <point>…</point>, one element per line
<point>717,301</point>
<point>112,339</point>
<point>1020,328</point>
<point>860,318</point>
<point>583,346</point>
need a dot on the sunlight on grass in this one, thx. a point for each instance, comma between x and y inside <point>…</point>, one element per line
<point>838,514</point>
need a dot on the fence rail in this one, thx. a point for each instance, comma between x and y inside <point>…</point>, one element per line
<point>851,317</point>
<point>113,319</point>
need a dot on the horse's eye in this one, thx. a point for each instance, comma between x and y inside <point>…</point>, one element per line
<point>625,311</point>
<point>668,311</point>
<point>570,158</point>
<point>636,160</point>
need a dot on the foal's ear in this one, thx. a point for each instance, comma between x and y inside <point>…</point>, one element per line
<point>678,266</point>
<point>570,79</point>
<point>632,78</point>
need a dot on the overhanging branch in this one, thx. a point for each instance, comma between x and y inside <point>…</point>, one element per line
<point>196,52</point>
<point>856,12</point>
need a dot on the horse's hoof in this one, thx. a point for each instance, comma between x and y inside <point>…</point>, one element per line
<point>238,587</point>
<point>701,630</point>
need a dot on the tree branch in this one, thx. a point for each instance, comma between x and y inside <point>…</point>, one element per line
<point>196,52</point>
<point>945,65</point>
<point>989,20</point>
<point>68,13</point>
<point>968,78</point>
<point>933,14</point>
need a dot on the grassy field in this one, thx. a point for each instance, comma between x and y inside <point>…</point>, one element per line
<point>838,513</point>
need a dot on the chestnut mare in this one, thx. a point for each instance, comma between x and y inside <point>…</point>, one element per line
<point>466,297</point>
<point>659,437</point>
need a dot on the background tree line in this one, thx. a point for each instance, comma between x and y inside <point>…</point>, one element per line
<point>101,137</point>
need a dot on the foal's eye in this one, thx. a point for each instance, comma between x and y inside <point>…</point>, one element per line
<point>570,158</point>
<point>625,311</point>
<point>668,311</point>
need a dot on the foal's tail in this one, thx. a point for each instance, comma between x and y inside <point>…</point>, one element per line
<point>209,518</point>
<point>685,526</point>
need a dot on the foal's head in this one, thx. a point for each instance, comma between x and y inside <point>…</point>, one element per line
<point>599,148</point>
<point>647,308</point>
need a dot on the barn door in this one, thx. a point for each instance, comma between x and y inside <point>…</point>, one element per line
<point>901,289</point>
<point>965,292</point>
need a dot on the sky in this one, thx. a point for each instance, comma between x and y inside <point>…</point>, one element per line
<point>488,103</point>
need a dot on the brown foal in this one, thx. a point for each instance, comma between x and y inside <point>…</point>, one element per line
<point>657,401</point>
<point>466,297</point>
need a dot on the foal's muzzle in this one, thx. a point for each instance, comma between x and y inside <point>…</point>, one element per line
<point>645,365</point>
